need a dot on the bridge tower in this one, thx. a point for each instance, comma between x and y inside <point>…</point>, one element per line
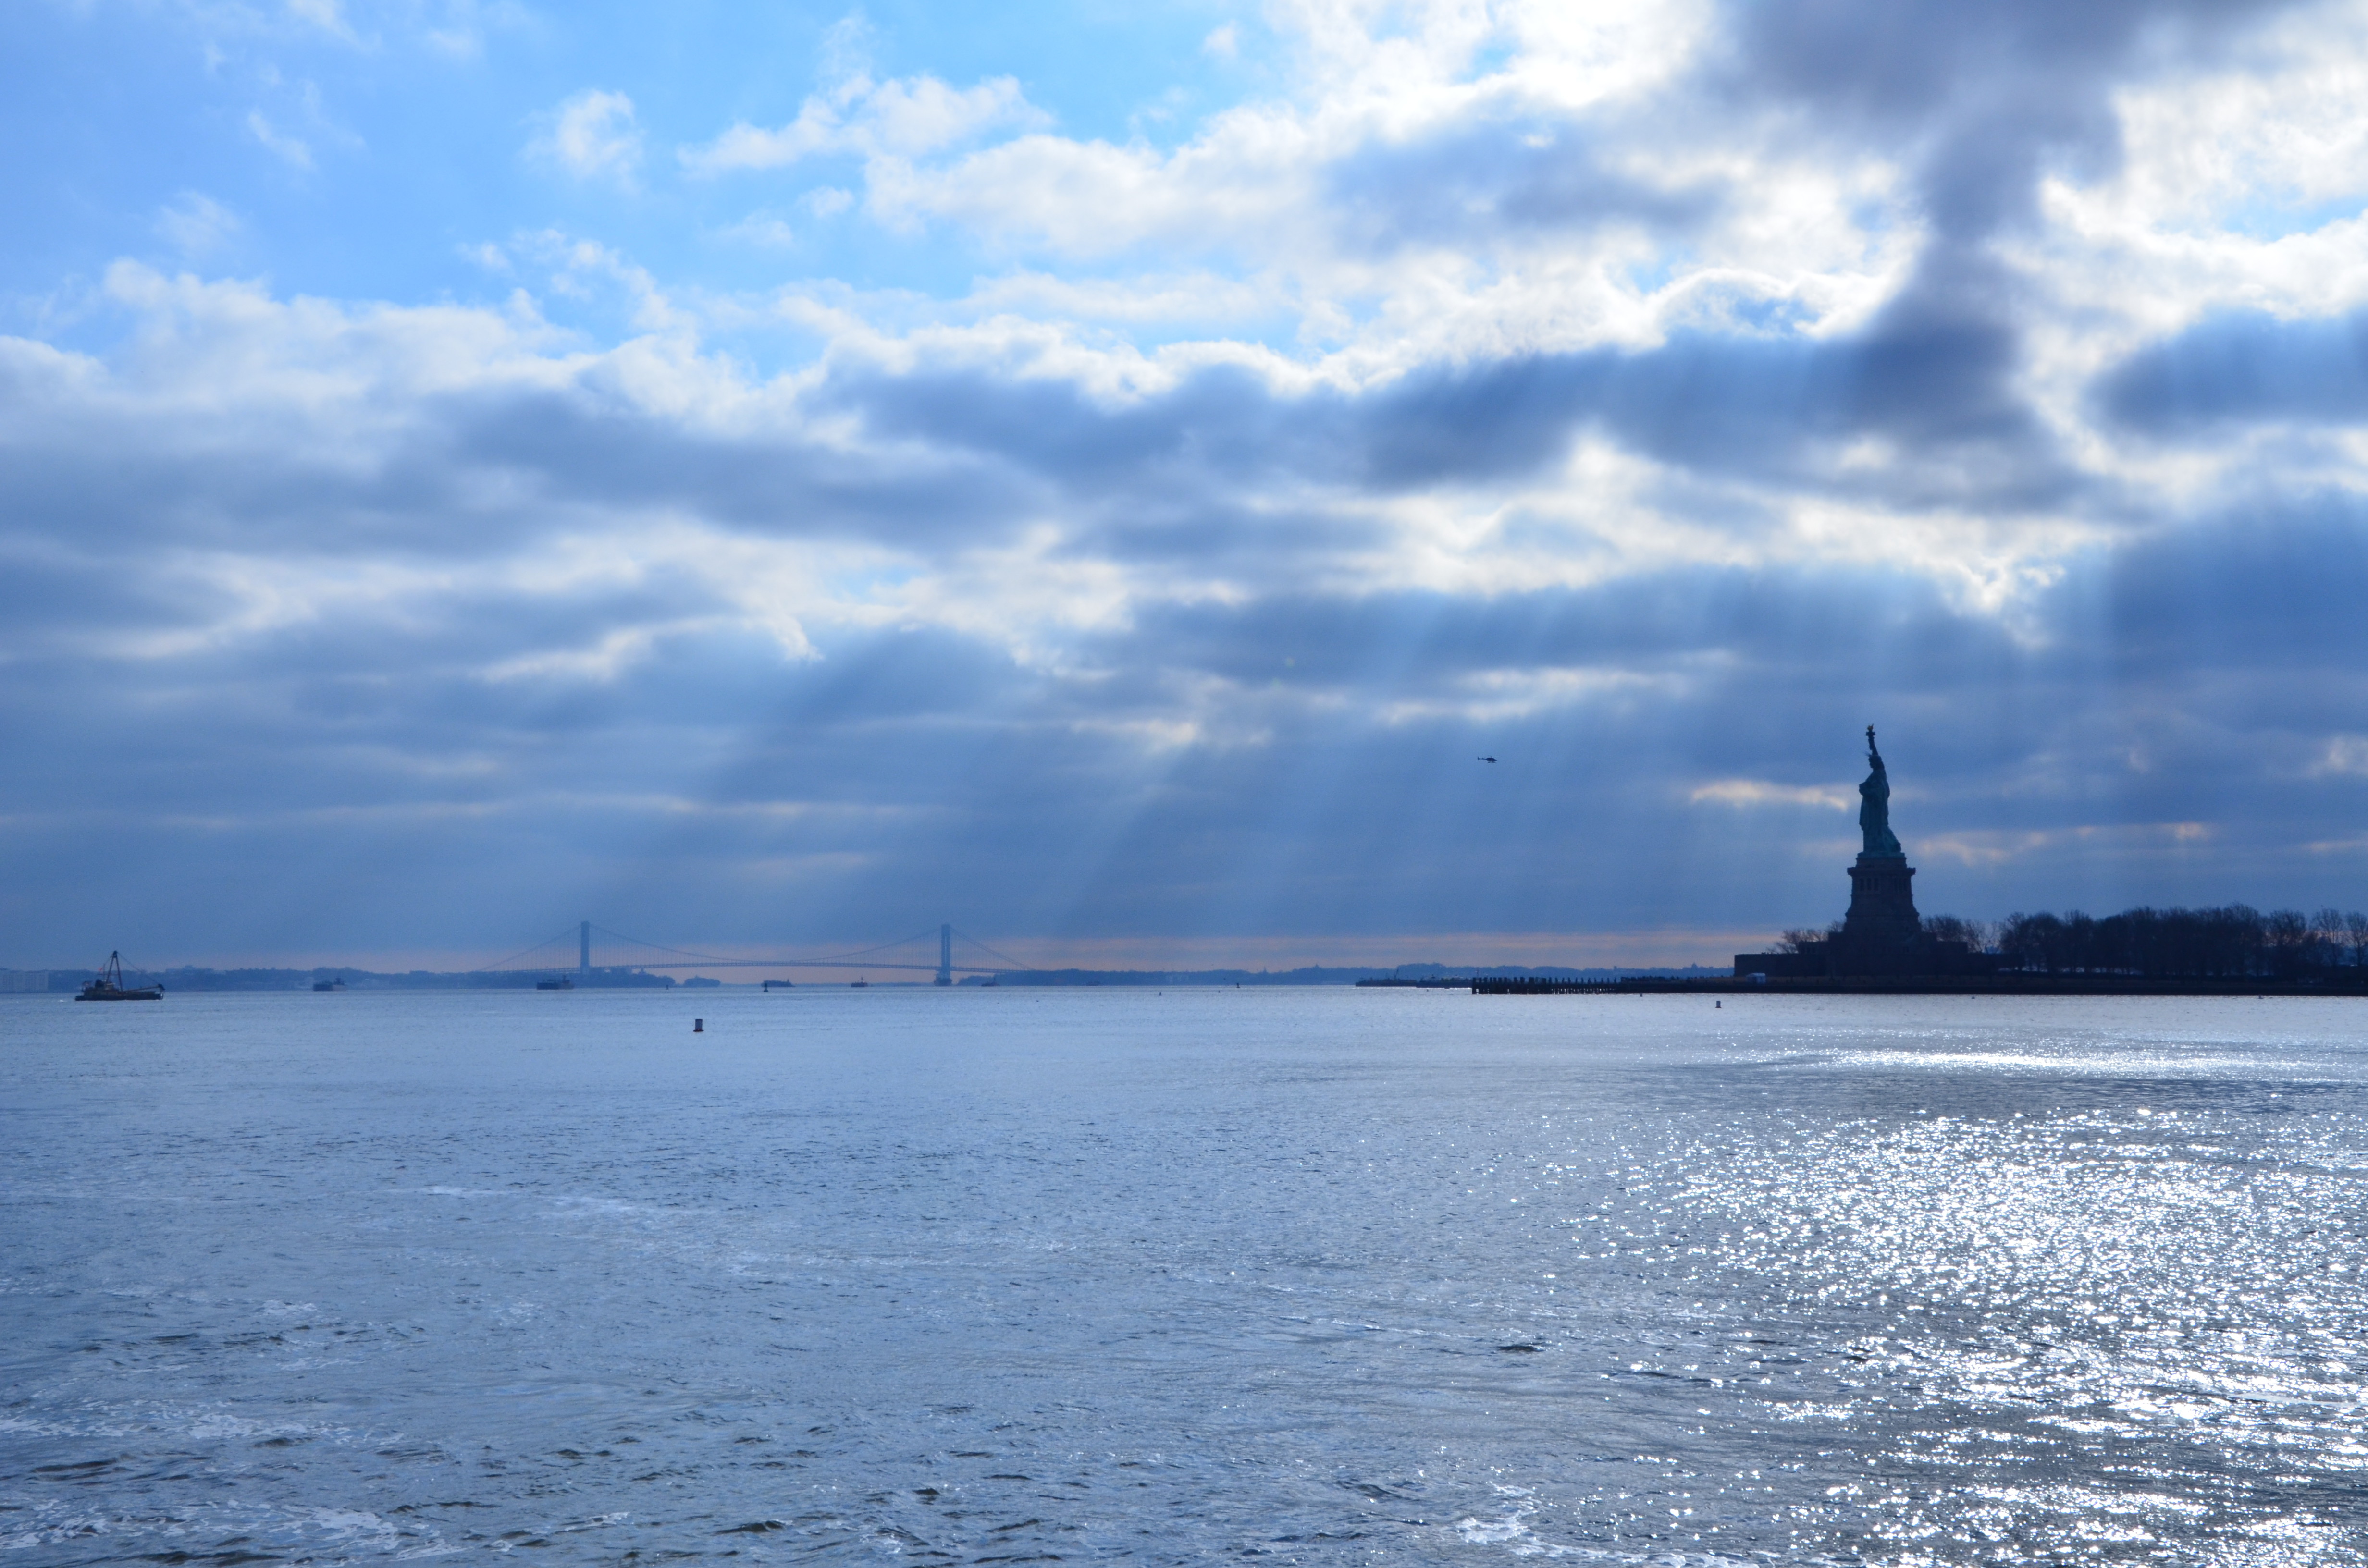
<point>584,950</point>
<point>945,955</point>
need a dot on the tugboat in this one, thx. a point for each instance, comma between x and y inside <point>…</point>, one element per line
<point>562,983</point>
<point>328,986</point>
<point>109,986</point>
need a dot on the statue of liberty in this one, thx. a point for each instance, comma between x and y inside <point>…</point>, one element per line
<point>1875,808</point>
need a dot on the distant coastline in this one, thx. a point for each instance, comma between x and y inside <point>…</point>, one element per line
<point>186,979</point>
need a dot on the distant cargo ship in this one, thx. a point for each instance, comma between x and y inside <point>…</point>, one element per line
<point>109,986</point>
<point>328,986</point>
<point>562,983</point>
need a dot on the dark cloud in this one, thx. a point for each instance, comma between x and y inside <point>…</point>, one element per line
<point>1986,93</point>
<point>780,482</point>
<point>457,478</point>
<point>1770,409</point>
<point>712,788</point>
<point>1506,164</point>
<point>1983,100</point>
<point>1652,622</point>
<point>2244,367</point>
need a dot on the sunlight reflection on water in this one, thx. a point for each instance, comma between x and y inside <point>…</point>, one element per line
<point>1320,1276</point>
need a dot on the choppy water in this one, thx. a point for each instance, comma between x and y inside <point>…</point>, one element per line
<point>1322,1277</point>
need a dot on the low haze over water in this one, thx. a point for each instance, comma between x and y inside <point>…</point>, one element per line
<point>1319,1276</point>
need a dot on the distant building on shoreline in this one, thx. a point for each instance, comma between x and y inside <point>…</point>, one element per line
<point>1882,933</point>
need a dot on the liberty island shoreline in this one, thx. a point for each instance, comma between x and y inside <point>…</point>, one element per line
<point>2338,983</point>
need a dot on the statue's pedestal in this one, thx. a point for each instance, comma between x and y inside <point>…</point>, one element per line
<point>1882,903</point>
<point>1882,933</point>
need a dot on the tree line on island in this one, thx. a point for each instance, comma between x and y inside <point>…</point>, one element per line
<point>2232,940</point>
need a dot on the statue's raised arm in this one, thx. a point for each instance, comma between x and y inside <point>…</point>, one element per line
<point>1875,808</point>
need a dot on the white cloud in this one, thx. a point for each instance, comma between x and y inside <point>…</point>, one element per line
<point>1290,190</point>
<point>847,50</point>
<point>2343,756</point>
<point>196,224</point>
<point>329,15</point>
<point>584,270</point>
<point>592,135</point>
<point>293,148</point>
<point>1760,793</point>
<point>761,229</point>
<point>908,118</point>
<point>1223,42</point>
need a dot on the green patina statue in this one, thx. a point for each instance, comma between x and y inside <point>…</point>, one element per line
<point>1875,808</point>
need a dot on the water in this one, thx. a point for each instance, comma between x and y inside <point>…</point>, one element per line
<point>1302,1277</point>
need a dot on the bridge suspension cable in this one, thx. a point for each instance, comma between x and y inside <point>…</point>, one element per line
<point>990,952</point>
<point>581,957</point>
<point>883,948</point>
<point>546,942</point>
<point>825,960</point>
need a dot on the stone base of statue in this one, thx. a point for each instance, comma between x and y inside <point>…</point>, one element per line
<point>1882,935</point>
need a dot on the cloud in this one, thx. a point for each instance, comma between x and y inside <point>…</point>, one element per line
<point>292,150</point>
<point>846,54</point>
<point>196,224</point>
<point>1526,171</point>
<point>2344,756</point>
<point>1760,792</point>
<point>908,118</point>
<point>2245,367</point>
<point>1647,396</point>
<point>762,229</point>
<point>592,136</point>
<point>326,15</point>
<point>682,641</point>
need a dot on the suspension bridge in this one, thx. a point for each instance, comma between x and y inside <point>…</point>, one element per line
<point>585,950</point>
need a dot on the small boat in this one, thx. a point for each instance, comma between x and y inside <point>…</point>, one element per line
<point>109,986</point>
<point>857,984</point>
<point>562,983</point>
<point>328,986</point>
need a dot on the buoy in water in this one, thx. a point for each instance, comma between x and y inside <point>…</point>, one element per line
<point>698,1025</point>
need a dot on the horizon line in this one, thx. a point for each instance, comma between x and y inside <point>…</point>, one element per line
<point>1663,947</point>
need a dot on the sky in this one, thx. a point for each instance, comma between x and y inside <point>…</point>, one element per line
<point>777,478</point>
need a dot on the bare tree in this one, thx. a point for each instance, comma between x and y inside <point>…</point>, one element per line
<point>2287,934</point>
<point>1950,928</point>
